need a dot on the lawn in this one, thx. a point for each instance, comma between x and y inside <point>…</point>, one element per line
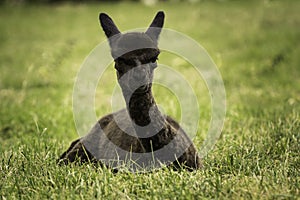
<point>256,46</point>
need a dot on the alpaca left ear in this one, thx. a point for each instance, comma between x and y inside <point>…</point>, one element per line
<point>155,28</point>
<point>108,25</point>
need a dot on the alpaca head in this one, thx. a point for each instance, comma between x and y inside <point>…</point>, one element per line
<point>135,53</point>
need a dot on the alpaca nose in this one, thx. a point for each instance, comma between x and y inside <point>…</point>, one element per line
<point>140,74</point>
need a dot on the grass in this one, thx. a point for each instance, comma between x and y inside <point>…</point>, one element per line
<point>256,47</point>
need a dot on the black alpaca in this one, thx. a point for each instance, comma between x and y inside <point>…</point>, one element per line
<point>139,133</point>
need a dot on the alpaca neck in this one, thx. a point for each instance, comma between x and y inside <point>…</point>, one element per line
<point>142,109</point>
<point>149,123</point>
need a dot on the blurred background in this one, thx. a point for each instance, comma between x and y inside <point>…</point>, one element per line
<point>83,1</point>
<point>255,45</point>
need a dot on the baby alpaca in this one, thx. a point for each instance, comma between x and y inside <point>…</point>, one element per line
<point>139,134</point>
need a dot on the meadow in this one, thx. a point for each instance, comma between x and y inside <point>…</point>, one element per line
<point>256,46</point>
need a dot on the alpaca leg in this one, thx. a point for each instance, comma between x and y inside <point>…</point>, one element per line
<point>76,151</point>
<point>189,160</point>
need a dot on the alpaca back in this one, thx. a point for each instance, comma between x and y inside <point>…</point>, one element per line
<point>109,143</point>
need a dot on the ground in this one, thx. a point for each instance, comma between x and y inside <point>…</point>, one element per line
<point>256,47</point>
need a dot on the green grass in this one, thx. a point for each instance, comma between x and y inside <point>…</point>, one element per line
<point>256,46</point>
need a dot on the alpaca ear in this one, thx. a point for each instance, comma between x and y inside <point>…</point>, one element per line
<point>155,28</point>
<point>108,26</point>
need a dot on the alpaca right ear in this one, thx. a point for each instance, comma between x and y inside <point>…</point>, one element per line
<point>108,26</point>
<point>155,27</point>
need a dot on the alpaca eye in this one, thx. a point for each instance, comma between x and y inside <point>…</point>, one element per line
<point>120,60</point>
<point>119,69</point>
<point>154,59</point>
<point>125,61</point>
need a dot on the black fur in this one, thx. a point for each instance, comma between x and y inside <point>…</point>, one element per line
<point>150,129</point>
